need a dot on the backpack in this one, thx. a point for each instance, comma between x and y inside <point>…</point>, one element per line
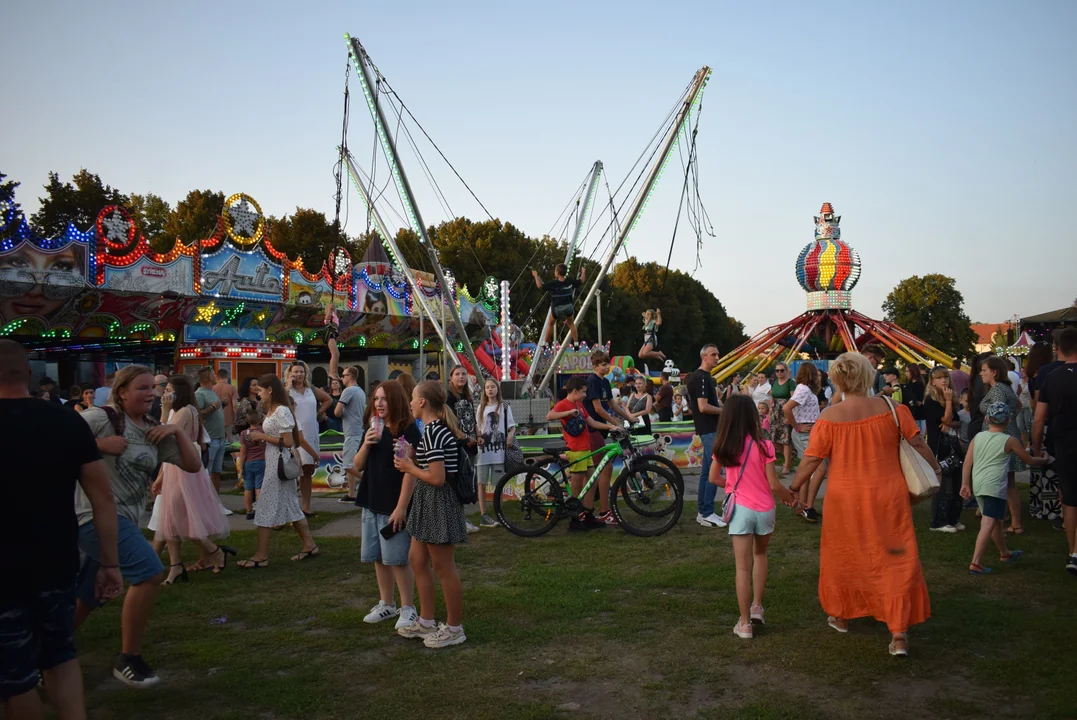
<point>463,481</point>
<point>119,420</point>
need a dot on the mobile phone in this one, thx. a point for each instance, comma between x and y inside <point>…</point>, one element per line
<point>387,532</point>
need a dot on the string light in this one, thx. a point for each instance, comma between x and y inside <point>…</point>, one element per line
<point>12,326</point>
<point>206,313</point>
<point>243,219</point>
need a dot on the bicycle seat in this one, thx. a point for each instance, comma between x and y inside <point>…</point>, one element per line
<point>555,448</point>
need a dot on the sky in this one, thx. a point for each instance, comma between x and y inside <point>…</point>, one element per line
<point>943,133</point>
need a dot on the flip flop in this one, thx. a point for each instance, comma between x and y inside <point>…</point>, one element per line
<point>252,564</point>
<point>978,569</point>
<point>304,554</point>
<point>833,622</point>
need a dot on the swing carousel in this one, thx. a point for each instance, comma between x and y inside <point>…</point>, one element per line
<point>828,269</point>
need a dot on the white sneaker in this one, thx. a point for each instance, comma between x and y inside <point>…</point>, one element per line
<point>444,637</point>
<point>471,528</point>
<point>380,612</point>
<point>959,527</point>
<point>744,632</point>
<point>416,629</point>
<point>408,615</point>
<point>945,529</point>
<point>712,520</point>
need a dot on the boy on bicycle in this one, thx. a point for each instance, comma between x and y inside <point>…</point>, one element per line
<point>575,424</point>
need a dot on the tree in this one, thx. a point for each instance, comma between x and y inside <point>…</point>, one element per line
<point>195,217</point>
<point>77,202</point>
<point>308,234</point>
<point>932,308</point>
<point>150,214</point>
<point>10,211</point>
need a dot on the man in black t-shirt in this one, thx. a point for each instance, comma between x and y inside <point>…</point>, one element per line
<point>1056,408</point>
<point>703,400</point>
<point>46,449</point>
<point>602,406</point>
<point>562,298</point>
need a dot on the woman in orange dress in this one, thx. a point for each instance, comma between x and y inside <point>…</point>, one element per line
<point>869,565</point>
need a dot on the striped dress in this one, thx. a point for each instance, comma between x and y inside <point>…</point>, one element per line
<point>436,516</point>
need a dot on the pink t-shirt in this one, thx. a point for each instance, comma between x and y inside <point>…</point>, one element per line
<point>754,490</point>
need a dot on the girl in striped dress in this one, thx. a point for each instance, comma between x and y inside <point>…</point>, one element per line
<point>436,518</point>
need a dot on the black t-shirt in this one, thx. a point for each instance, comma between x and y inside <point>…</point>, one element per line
<point>1059,391</point>
<point>379,488</point>
<point>976,396</point>
<point>933,413</point>
<point>562,292</point>
<point>599,388</point>
<point>700,384</point>
<point>44,446</point>
<point>464,411</point>
<point>912,395</point>
<point>1041,376</point>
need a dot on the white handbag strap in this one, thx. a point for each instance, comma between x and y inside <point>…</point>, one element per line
<point>893,411</point>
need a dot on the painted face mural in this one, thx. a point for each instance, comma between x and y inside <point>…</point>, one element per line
<point>37,283</point>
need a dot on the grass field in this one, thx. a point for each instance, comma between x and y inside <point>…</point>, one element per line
<point>600,625</point>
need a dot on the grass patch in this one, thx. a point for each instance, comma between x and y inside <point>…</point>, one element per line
<point>598,625</point>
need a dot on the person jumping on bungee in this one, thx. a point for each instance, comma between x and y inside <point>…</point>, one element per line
<point>652,320</point>
<point>562,298</point>
<point>332,332</point>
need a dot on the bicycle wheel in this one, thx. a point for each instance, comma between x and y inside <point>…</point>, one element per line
<point>646,500</point>
<point>668,464</point>
<point>528,502</point>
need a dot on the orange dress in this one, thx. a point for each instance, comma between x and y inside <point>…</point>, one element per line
<point>869,564</point>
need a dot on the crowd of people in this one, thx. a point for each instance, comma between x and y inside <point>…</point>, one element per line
<point>155,436</point>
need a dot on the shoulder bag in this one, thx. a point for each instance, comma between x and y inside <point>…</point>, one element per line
<point>514,456</point>
<point>730,503</point>
<point>288,468</point>
<point>919,475</point>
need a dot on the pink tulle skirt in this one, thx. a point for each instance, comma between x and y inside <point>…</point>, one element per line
<point>190,508</point>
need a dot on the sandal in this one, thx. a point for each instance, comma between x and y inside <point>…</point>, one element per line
<point>225,551</point>
<point>975,569</point>
<point>899,645</point>
<point>1014,555</point>
<point>1011,530</point>
<point>182,577</point>
<point>252,564</point>
<point>833,622</point>
<point>304,554</point>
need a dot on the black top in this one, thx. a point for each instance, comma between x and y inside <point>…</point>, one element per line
<point>700,384</point>
<point>438,444</point>
<point>464,411</point>
<point>976,396</point>
<point>44,447</point>
<point>1041,376</point>
<point>912,395</point>
<point>72,403</point>
<point>562,292</point>
<point>599,388</point>
<point>379,488</point>
<point>1059,391</point>
<point>933,413</point>
<point>155,409</point>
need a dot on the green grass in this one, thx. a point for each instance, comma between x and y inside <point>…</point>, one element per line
<point>599,625</point>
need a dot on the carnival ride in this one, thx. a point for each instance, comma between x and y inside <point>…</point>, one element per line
<point>828,269</point>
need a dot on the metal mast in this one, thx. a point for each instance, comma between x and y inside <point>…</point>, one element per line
<point>362,63</point>
<point>588,203</point>
<point>390,242</point>
<point>695,94</point>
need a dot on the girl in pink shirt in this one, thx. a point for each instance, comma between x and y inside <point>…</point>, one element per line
<point>751,483</point>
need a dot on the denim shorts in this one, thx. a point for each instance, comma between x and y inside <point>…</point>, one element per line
<point>488,475</point>
<point>746,521</point>
<point>216,449</point>
<point>254,471</point>
<point>138,562</point>
<point>992,507</point>
<point>393,551</point>
<point>35,634</point>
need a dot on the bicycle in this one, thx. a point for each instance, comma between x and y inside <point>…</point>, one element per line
<point>646,498</point>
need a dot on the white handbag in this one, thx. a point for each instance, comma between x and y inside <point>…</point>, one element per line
<point>920,477</point>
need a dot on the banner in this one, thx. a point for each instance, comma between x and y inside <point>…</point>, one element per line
<point>242,274</point>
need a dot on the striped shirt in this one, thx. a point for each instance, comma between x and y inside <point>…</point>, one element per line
<point>438,445</point>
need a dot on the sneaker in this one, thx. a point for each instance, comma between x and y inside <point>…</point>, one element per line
<point>744,632</point>
<point>1057,524</point>
<point>380,612</point>
<point>578,525</point>
<point>487,521</point>
<point>712,520</point>
<point>1071,565</point>
<point>607,519</point>
<point>591,522</point>
<point>471,528</point>
<point>416,629</point>
<point>960,527</point>
<point>444,637</point>
<point>811,515</point>
<point>945,529</point>
<point>757,615</point>
<point>347,500</point>
<point>133,671</point>
<point>250,515</point>
<point>408,615</point>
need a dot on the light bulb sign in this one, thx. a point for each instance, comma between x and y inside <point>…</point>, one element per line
<point>246,275</point>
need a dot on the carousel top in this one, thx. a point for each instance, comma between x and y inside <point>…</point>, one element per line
<point>827,264</point>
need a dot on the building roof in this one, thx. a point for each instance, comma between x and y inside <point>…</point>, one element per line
<point>985,331</point>
<point>1066,314</point>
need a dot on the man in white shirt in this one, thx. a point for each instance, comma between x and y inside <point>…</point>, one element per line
<point>760,388</point>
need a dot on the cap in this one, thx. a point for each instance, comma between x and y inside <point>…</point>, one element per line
<point>998,413</point>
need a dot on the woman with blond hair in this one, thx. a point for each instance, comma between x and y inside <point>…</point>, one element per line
<point>940,409</point>
<point>869,564</point>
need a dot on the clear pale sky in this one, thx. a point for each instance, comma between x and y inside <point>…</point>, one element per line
<point>943,132</point>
